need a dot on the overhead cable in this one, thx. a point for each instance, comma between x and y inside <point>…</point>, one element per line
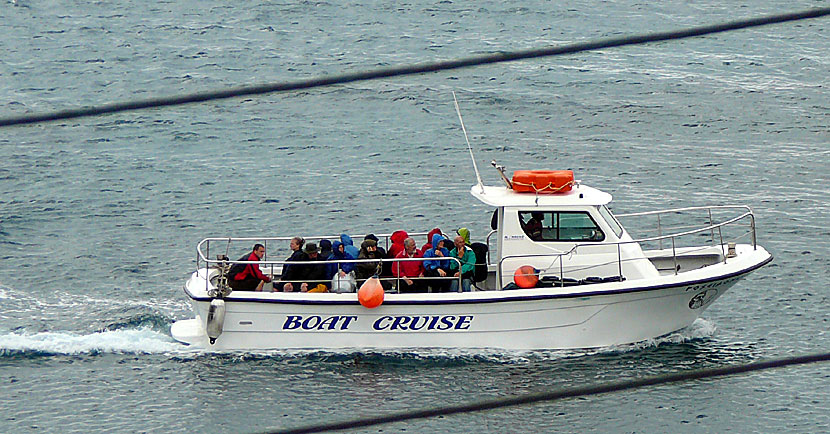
<point>557,394</point>
<point>420,68</point>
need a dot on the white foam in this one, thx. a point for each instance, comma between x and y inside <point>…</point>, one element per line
<point>141,340</point>
<point>699,329</point>
<point>5,291</point>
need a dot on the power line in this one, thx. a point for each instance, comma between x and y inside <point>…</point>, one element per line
<point>558,395</point>
<point>420,68</point>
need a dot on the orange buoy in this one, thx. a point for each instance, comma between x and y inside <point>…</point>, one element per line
<point>370,294</point>
<point>525,276</point>
<point>543,181</point>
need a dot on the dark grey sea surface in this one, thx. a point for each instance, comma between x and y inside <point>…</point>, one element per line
<point>99,217</point>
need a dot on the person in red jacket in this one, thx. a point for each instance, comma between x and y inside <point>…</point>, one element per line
<point>248,277</point>
<point>397,239</point>
<point>408,272</point>
<point>428,245</point>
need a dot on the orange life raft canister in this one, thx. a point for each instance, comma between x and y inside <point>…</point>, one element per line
<point>542,181</point>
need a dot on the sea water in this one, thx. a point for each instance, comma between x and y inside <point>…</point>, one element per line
<point>99,217</point>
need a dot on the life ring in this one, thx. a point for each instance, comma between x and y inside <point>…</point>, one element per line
<point>543,181</point>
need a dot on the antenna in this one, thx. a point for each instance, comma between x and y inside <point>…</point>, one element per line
<point>470,148</point>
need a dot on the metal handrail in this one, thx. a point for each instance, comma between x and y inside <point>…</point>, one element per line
<point>664,228</point>
<point>205,243</point>
<point>707,228</point>
<point>487,241</point>
<point>677,210</point>
<point>397,279</point>
<point>708,208</point>
<point>672,237</point>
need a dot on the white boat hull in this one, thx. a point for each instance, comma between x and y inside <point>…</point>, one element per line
<point>582,316</point>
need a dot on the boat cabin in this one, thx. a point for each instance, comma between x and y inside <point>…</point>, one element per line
<point>568,234</point>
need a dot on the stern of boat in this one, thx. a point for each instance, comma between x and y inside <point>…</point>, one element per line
<point>188,331</point>
<point>192,331</point>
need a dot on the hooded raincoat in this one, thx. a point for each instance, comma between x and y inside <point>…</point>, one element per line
<point>348,244</point>
<point>332,268</point>
<point>397,243</point>
<point>437,263</point>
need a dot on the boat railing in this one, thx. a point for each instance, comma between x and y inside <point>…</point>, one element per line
<point>713,228</point>
<point>204,246</point>
<point>223,262</point>
<point>487,241</point>
<point>662,227</point>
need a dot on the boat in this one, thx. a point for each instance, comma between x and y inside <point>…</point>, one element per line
<point>560,272</point>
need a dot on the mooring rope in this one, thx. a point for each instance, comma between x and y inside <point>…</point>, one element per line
<point>507,56</point>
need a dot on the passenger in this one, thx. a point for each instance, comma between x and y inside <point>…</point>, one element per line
<point>348,246</point>
<point>386,267</point>
<point>533,227</point>
<point>365,270</point>
<point>325,249</point>
<point>381,250</point>
<point>428,245</point>
<point>343,268</point>
<point>397,246</point>
<point>465,233</point>
<point>248,277</point>
<point>468,263</point>
<point>296,245</point>
<point>291,272</point>
<point>313,271</point>
<point>437,268</point>
<point>409,272</point>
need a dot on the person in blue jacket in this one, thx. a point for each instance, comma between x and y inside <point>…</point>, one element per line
<point>348,246</point>
<point>437,267</point>
<point>338,251</point>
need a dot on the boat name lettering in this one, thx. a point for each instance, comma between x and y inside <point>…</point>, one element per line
<point>710,285</point>
<point>425,322</point>
<point>316,322</point>
<point>514,237</point>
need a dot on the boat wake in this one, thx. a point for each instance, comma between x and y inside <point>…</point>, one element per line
<point>124,326</point>
<point>700,329</point>
<point>125,341</point>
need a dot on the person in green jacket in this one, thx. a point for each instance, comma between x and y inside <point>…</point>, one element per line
<point>468,262</point>
<point>464,232</point>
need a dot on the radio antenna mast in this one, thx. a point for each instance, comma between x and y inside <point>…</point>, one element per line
<point>470,148</point>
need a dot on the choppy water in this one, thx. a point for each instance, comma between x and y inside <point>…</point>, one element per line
<point>99,217</point>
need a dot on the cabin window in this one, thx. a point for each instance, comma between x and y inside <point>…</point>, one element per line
<point>611,220</point>
<point>559,226</point>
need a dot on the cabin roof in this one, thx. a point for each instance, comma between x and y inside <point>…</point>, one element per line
<point>503,196</point>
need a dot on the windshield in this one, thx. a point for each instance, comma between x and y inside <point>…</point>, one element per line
<point>559,226</point>
<point>611,220</point>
